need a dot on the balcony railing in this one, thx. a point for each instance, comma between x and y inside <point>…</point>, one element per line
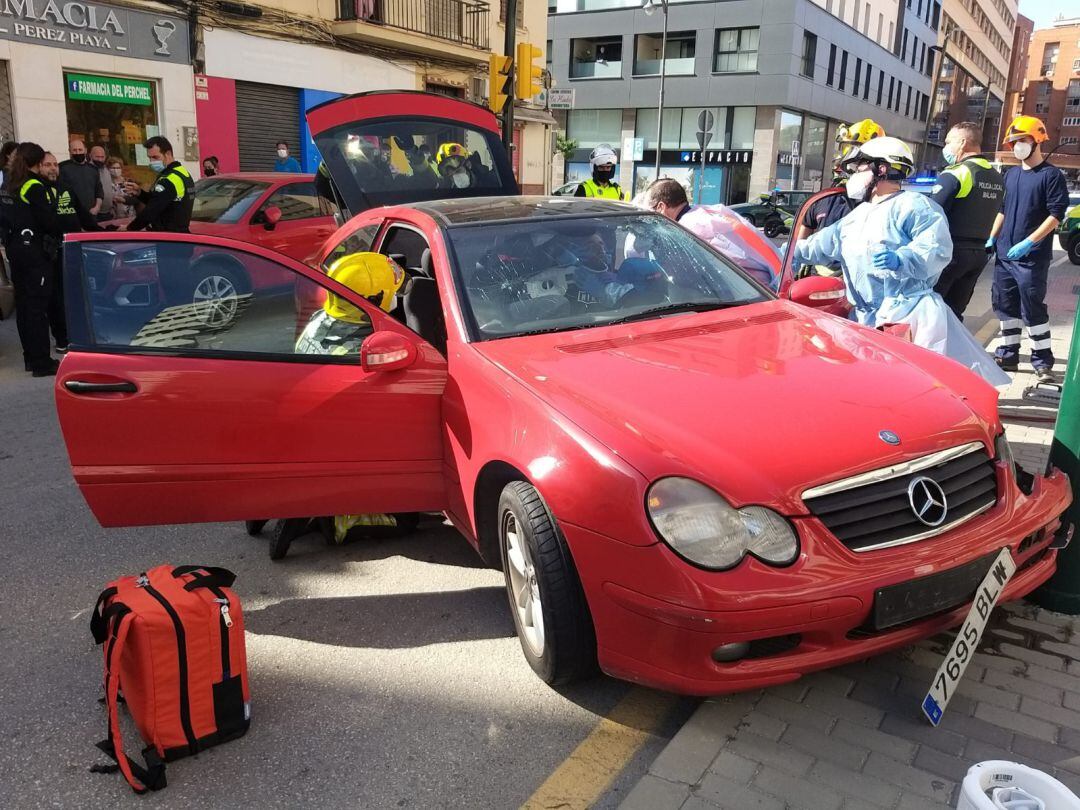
<point>460,21</point>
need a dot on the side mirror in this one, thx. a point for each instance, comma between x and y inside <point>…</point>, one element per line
<point>271,217</point>
<point>387,351</point>
<point>820,292</point>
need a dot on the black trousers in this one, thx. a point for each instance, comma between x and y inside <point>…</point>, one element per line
<point>957,282</point>
<point>57,316</point>
<point>32,278</point>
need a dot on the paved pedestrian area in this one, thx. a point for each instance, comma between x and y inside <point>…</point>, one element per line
<point>855,737</point>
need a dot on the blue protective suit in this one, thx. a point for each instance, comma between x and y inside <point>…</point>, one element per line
<point>915,228</point>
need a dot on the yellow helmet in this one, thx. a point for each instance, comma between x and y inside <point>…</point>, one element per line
<point>851,136</point>
<point>452,154</point>
<point>374,276</point>
<point>1026,126</point>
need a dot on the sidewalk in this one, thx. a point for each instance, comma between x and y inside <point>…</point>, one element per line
<point>855,737</point>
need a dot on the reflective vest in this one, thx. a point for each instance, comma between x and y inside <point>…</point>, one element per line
<point>977,202</point>
<point>609,192</point>
<point>175,177</point>
<point>24,189</point>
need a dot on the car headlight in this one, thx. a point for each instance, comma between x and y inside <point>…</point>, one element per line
<point>706,530</point>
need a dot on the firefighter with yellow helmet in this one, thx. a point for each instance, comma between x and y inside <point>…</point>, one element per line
<point>1036,197</point>
<point>338,328</point>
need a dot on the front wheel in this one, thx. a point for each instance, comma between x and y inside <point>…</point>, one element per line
<point>1074,250</point>
<point>546,598</point>
<point>774,227</point>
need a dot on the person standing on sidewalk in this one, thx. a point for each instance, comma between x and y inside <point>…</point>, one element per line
<point>1036,197</point>
<point>82,178</point>
<point>970,192</point>
<point>33,240</point>
<point>285,162</point>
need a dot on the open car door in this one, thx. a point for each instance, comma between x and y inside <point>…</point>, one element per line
<point>398,147</point>
<point>822,292</point>
<point>181,409</point>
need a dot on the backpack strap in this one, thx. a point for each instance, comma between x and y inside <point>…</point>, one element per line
<point>99,623</point>
<point>141,779</point>
<point>206,576</point>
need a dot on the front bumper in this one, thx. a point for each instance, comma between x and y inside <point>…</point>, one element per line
<point>658,619</point>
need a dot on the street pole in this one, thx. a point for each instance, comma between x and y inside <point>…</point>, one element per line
<point>660,103</point>
<point>933,99</point>
<point>508,48</point>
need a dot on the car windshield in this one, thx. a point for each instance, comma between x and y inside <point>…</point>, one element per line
<point>390,162</point>
<point>224,200</point>
<point>524,277</point>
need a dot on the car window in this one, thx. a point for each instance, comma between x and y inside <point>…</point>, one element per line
<point>406,244</point>
<point>150,297</point>
<point>359,241</point>
<point>298,201</point>
<point>224,200</point>
<point>568,273</point>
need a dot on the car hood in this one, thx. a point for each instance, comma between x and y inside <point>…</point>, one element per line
<point>759,402</point>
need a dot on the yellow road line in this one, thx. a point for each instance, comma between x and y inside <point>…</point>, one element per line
<point>584,775</point>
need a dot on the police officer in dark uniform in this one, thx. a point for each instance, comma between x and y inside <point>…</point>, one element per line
<point>32,241</point>
<point>970,191</point>
<point>167,207</point>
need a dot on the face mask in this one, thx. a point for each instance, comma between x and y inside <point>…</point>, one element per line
<point>859,184</point>
<point>117,173</point>
<point>948,157</point>
<point>282,153</point>
<point>100,164</point>
<point>78,158</point>
<point>1022,150</point>
<point>157,165</point>
<point>460,179</point>
<point>603,174</point>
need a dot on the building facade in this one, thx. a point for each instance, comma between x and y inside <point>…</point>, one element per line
<point>1053,90</point>
<point>976,48</point>
<point>100,72</point>
<point>1018,67</point>
<point>763,83</point>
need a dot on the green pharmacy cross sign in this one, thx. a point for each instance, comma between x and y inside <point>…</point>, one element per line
<point>81,87</point>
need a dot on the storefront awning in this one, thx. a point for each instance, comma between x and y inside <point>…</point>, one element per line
<point>535,115</point>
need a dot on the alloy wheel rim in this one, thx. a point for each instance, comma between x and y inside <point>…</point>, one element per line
<point>215,300</point>
<point>524,587</point>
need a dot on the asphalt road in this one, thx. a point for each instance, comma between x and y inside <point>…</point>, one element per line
<point>383,673</point>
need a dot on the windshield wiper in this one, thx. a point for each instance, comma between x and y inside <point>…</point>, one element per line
<point>666,309</point>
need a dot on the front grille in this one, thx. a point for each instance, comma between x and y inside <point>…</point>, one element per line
<point>878,513</point>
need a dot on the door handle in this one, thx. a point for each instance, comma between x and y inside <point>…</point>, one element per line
<point>83,387</point>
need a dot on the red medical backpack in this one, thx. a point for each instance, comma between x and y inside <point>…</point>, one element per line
<point>174,647</point>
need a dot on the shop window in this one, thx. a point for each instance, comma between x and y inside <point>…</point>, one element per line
<point>117,113</point>
<point>809,54</point>
<point>742,128</point>
<point>590,128</point>
<point>736,50</point>
<point>678,56</point>
<point>596,58</point>
<point>645,127</point>
<point>688,138</point>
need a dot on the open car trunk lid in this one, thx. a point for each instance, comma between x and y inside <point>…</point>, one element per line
<point>398,147</point>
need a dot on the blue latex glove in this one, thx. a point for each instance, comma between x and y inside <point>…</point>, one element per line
<point>886,260</point>
<point>990,242</point>
<point>1020,249</point>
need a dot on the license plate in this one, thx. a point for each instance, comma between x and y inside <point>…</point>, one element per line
<point>918,598</point>
<point>948,676</point>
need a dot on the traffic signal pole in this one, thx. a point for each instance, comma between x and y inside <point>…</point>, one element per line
<point>508,48</point>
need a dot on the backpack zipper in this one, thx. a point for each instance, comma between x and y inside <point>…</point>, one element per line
<point>181,648</point>
<point>226,622</point>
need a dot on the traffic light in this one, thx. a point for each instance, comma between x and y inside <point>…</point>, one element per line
<point>498,76</point>
<point>529,76</point>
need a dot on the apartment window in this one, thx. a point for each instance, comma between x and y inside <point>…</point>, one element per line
<point>855,21</point>
<point>924,109</point>
<point>830,76</point>
<point>679,57</point>
<point>866,21</point>
<point>843,72</point>
<point>843,8</point>
<point>903,49</point>
<point>1072,97</point>
<point>547,53</point>
<point>907,104</point>
<point>858,76</point>
<point>899,95</point>
<point>866,86</point>
<point>892,36</point>
<point>936,23</point>
<point>892,88</point>
<point>1067,140</point>
<point>919,12</point>
<point>880,85</point>
<point>1050,57</point>
<point>1076,64</point>
<point>1044,88</point>
<point>880,26</point>
<point>520,13</point>
<point>736,50</point>
<point>596,58</point>
<point>809,54</point>
<point>590,128</point>
<point>1071,121</point>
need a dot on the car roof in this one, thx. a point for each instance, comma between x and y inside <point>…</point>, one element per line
<point>474,210</point>
<point>264,177</point>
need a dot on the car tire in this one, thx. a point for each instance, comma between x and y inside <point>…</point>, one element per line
<point>254,527</point>
<point>215,294</point>
<point>774,227</point>
<point>546,599</point>
<point>1074,250</point>
<point>283,533</point>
